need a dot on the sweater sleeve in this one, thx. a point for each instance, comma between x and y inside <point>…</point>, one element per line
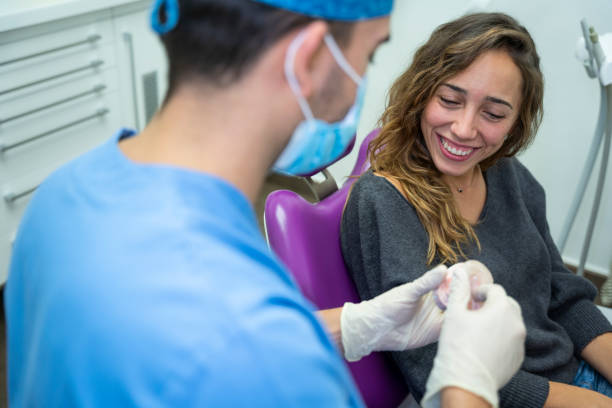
<point>384,245</point>
<point>525,389</point>
<point>571,303</point>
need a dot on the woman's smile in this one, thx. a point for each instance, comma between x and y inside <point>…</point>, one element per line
<point>454,151</point>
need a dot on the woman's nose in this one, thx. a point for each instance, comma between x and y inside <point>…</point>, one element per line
<point>464,125</point>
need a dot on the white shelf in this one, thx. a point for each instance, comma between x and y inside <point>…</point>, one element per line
<point>15,14</point>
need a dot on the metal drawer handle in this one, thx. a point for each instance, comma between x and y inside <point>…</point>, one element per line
<point>91,39</point>
<point>99,113</point>
<point>12,197</point>
<point>127,37</point>
<point>94,90</point>
<point>93,64</point>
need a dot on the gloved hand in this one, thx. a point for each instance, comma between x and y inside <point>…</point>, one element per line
<point>398,319</point>
<point>479,350</point>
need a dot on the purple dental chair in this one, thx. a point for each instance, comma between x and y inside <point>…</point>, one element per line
<point>306,237</point>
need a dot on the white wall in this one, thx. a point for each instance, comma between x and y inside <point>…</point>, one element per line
<point>571,102</point>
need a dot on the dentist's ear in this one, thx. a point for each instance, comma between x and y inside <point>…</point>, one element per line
<point>306,62</point>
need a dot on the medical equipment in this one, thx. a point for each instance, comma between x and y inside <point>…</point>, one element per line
<point>595,52</point>
<point>478,275</point>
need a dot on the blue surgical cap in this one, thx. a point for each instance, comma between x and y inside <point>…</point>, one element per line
<point>346,10</point>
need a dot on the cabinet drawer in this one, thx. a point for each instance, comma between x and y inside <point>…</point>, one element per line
<point>18,111</point>
<point>31,79</point>
<point>59,135</point>
<point>20,175</point>
<point>11,213</point>
<point>56,42</point>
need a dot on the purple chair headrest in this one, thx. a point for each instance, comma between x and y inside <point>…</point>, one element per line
<point>306,237</point>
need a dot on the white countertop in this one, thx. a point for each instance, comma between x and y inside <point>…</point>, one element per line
<point>22,13</point>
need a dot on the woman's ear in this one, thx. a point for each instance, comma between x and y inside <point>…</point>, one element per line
<point>304,63</point>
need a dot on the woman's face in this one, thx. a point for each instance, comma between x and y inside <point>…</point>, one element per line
<point>470,114</point>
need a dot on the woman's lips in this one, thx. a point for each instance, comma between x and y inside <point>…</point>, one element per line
<point>454,151</point>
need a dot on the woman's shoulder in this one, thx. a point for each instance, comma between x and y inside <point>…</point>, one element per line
<point>375,185</point>
<point>509,176</point>
<point>510,169</point>
<point>508,165</point>
<point>375,193</point>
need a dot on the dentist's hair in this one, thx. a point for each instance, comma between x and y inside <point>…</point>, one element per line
<point>399,152</point>
<point>218,41</point>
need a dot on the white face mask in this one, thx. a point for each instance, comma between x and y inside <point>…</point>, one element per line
<point>315,143</point>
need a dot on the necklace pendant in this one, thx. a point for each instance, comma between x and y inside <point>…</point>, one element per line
<point>459,190</point>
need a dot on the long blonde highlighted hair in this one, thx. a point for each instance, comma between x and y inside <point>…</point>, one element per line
<point>399,151</point>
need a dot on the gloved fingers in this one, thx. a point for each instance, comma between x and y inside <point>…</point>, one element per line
<point>495,294</point>
<point>424,326</point>
<point>429,281</point>
<point>477,266</point>
<point>514,304</point>
<point>460,291</point>
<point>480,293</point>
<point>516,309</point>
<point>458,266</point>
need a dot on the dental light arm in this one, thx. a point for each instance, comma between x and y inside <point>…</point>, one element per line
<point>595,52</point>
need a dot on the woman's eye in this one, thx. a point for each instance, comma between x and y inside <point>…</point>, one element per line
<point>449,101</point>
<point>494,116</point>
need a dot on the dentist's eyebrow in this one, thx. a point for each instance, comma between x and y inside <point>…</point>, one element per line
<point>488,98</point>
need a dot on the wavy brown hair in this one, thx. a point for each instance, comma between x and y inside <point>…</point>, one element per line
<point>399,151</point>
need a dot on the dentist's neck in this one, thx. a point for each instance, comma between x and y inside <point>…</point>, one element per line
<point>232,133</point>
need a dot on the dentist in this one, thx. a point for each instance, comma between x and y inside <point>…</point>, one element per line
<point>139,277</point>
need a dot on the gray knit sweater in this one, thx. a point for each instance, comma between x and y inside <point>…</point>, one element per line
<point>384,245</point>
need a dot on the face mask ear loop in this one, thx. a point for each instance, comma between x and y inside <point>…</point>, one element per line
<point>341,60</point>
<point>290,74</point>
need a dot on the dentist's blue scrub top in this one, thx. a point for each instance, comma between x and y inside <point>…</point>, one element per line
<point>151,286</point>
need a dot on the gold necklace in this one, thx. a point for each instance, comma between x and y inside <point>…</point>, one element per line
<point>461,189</point>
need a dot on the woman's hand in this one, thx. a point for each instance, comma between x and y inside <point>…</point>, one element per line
<point>569,396</point>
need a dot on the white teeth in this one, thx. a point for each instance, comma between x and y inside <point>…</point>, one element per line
<point>454,151</point>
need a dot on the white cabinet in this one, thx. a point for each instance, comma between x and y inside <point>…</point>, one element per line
<point>143,67</point>
<point>65,87</point>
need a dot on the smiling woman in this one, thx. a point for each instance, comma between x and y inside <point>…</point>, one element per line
<point>444,187</point>
<point>463,124</point>
<point>473,94</point>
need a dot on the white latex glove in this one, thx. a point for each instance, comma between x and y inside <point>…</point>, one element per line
<point>399,319</point>
<point>479,350</point>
